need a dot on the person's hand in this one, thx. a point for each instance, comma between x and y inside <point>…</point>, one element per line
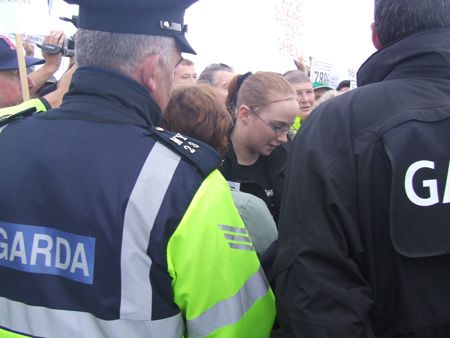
<point>28,46</point>
<point>55,98</point>
<point>53,61</point>
<point>301,65</point>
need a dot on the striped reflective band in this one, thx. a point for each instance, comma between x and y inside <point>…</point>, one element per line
<point>234,229</point>
<point>142,209</point>
<point>241,246</point>
<point>230,310</point>
<point>1,128</point>
<point>43,322</point>
<point>238,238</point>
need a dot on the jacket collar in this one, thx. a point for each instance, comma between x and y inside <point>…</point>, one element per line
<point>425,54</point>
<point>125,100</point>
<point>275,161</point>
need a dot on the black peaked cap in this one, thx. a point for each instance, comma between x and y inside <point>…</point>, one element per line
<point>150,17</point>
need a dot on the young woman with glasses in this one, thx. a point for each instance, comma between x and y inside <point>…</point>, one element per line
<point>264,107</point>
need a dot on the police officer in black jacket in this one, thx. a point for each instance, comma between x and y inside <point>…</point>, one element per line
<point>364,225</point>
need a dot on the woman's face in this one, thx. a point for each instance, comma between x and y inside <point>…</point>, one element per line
<point>268,127</point>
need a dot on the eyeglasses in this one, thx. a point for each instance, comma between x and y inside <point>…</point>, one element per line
<point>276,130</point>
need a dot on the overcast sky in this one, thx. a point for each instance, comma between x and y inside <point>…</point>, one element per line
<point>243,33</point>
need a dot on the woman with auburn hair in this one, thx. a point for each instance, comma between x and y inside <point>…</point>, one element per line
<point>196,111</point>
<point>264,106</point>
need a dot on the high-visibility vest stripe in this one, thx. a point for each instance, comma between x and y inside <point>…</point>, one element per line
<point>230,310</point>
<point>241,246</point>
<point>142,209</point>
<point>51,323</point>
<point>233,229</point>
<point>238,238</point>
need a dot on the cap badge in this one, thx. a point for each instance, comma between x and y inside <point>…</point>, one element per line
<point>173,26</point>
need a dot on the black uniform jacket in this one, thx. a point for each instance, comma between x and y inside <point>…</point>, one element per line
<point>274,164</point>
<point>90,195</point>
<point>365,223</point>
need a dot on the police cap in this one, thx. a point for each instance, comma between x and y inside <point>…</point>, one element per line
<point>150,17</point>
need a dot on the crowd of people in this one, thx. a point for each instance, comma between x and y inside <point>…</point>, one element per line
<point>138,199</point>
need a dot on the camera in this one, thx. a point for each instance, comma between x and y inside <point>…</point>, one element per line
<point>68,48</point>
<point>69,44</point>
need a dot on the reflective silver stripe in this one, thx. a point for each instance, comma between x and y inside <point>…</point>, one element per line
<point>142,209</point>
<point>50,323</point>
<point>238,238</point>
<point>233,229</point>
<point>1,128</point>
<point>230,310</point>
<point>241,246</point>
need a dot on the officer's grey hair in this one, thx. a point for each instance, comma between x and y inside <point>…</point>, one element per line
<point>119,51</point>
<point>208,75</point>
<point>395,19</point>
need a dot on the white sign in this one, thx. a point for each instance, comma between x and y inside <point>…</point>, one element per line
<point>33,39</point>
<point>290,27</point>
<point>321,72</point>
<point>352,77</point>
<point>24,16</point>
<point>334,79</point>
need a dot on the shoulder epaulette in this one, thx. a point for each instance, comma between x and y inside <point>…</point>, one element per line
<point>7,119</point>
<point>22,110</point>
<point>204,157</point>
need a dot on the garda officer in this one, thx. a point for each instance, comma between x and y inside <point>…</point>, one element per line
<point>364,231</point>
<point>110,227</point>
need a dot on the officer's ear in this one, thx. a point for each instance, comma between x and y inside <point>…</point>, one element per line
<point>149,73</point>
<point>375,39</point>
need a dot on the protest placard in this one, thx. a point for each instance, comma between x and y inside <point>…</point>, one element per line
<point>290,27</point>
<point>23,17</point>
<point>321,71</point>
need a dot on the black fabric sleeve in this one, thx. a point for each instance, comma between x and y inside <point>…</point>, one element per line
<point>45,102</point>
<point>321,288</point>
